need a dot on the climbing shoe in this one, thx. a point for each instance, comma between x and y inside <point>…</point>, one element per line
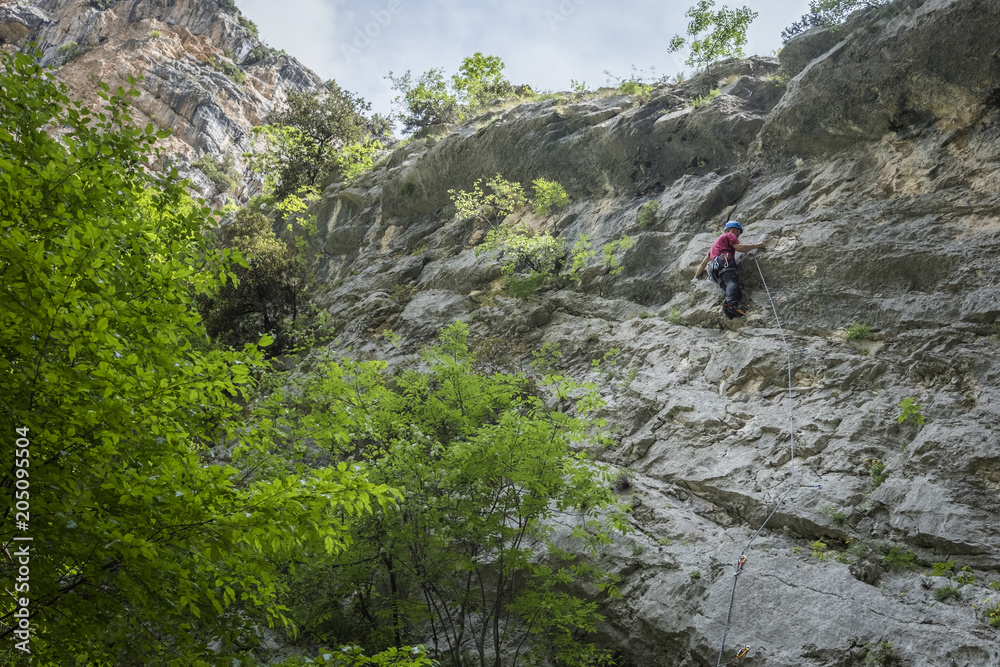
<point>732,310</point>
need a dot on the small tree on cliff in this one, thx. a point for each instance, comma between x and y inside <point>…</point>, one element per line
<point>313,137</point>
<point>724,33</point>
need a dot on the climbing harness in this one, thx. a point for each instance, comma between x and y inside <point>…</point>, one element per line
<point>792,483</point>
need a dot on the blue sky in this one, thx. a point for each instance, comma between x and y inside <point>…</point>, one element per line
<point>544,43</point>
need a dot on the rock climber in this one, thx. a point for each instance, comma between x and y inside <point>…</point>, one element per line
<point>724,271</point>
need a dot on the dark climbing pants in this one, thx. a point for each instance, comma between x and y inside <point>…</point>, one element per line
<point>724,272</point>
<point>729,280</point>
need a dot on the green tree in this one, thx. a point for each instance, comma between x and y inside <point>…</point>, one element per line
<point>827,13</point>
<point>426,102</point>
<point>480,79</point>
<point>549,195</point>
<point>305,140</point>
<point>724,33</point>
<point>269,293</point>
<point>465,557</point>
<point>144,550</point>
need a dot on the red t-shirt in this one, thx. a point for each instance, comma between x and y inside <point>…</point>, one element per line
<point>724,244</point>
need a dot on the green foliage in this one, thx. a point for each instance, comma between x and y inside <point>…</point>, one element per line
<point>966,576</point>
<point>305,141</point>
<point>910,409</point>
<point>427,101</point>
<point>579,255</point>
<point>857,331</point>
<point>674,317</point>
<point>837,517</point>
<point>545,358</point>
<point>221,172</point>
<point>101,5</point>
<point>69,51</point>
<point>354,656</point>
<point>995,585</point>
<point>480,80</point>
<point>522,288</point>
<point>695,575</point>
<point>249,25</point>
<point>522,246</point>
<point>991,613</point>
<point>704,100</point>
<point>876,470</point>
<point>612,261</point>
<point>144,550</point>
<point>946,592</point>
<point>945,569</point>
<point>640,91</point>
<point>726,33</point>
<point>430,100</point>
<point>549,195</point>
<point>155,34</point>
<point>900,558</point>
<point>577,86</point>
<point>648,213</point>
<point>484,468</point>
<point>827,13</point>
<point>488,208</point>
<point>819,550</point>
<point>268,293</point>
<point>518,245</point>
<point>227,67</point>
<point>358,158</point>
<point>880,654</point>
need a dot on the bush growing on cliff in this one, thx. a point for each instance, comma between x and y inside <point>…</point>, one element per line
<point>465,557</point>
<point>69,51</point>
<point>488,208</point>
<point>647,213</point>
<point>549,195</point>
<point>221,172</point>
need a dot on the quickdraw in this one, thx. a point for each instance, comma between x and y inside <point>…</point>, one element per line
<point>739,565</point>
<point>739,654</point>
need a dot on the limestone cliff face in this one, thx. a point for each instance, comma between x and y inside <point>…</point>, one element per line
<point>868,163</point>
<point>206,75</point>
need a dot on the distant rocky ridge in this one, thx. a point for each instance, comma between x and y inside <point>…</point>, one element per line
<point>207,76</point>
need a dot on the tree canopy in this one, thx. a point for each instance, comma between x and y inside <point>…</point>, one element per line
<point>313,137</point>
<point>723,33</point>
<point>155,519</point>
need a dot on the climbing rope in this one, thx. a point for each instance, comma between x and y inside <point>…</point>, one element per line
<point>742,559</point>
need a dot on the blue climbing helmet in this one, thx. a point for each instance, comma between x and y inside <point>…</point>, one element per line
<point>733,225</point>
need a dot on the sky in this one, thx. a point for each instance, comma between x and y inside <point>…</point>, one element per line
<point>544,43</point>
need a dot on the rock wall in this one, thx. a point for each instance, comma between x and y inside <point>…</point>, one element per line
<point>867,160</point>
<point>182,48</point>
